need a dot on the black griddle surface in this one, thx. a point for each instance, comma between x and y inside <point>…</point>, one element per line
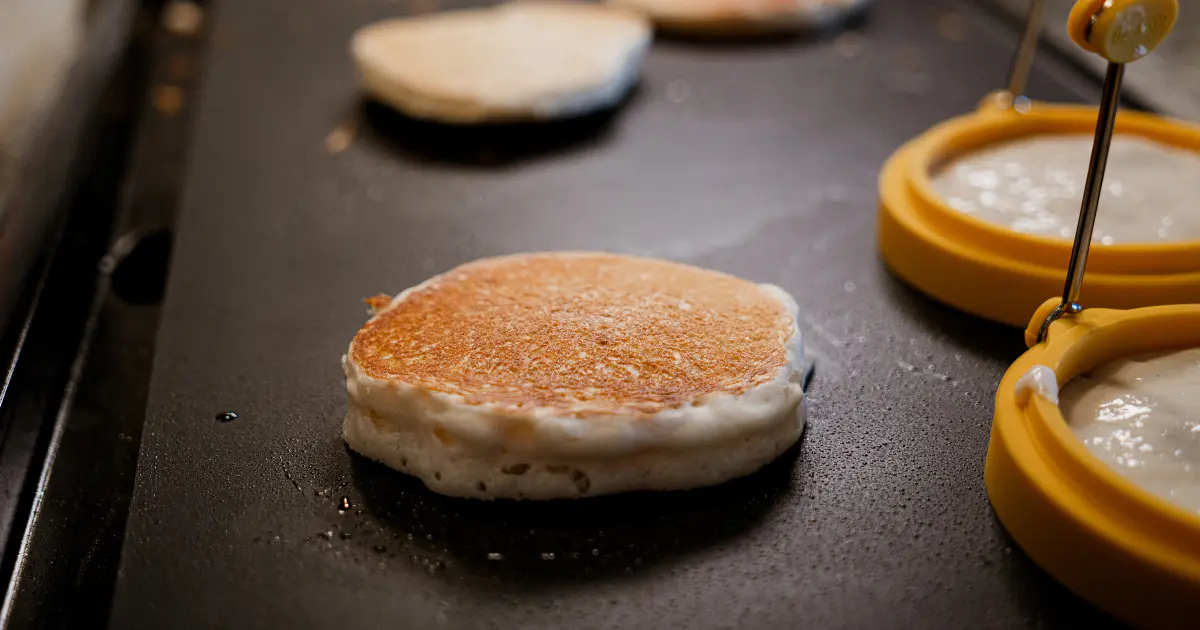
<point>755,159</point>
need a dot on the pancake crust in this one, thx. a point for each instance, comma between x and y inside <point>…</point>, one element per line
<point>579,333</point>
<point>738,18</point>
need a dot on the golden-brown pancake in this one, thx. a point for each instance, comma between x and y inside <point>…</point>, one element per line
<point>631,373</point>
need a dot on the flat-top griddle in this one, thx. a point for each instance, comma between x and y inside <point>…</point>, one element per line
<point>757,159</point>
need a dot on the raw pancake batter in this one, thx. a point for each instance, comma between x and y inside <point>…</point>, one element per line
<point>1035,185</point>
<point>1142,417</point>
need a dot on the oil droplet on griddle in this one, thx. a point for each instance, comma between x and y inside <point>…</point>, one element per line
<point>495,556</point>
<point>227,416</point>
<point>345,504</point>
<point>327,535</point>
<point>548,556</point>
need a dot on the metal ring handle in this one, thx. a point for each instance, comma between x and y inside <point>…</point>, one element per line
<point>1121,31</point>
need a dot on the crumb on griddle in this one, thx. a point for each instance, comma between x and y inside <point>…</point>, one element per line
<point>182,18</point>
<point>376,303</point>
<point>953,26</point>
<point>168,99</point>
<point>341,137</point>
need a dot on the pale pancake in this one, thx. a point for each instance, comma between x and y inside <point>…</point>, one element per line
<point>519,61</point>
<point>576,374</point>
<point>737,18</point>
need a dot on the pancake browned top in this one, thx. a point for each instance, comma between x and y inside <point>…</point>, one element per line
<point>579,332</point>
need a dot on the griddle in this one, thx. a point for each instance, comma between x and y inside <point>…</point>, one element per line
<point>757,159</point>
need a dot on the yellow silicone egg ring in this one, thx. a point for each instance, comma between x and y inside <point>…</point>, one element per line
<point>1003,275</point>
<point>1127,551</point>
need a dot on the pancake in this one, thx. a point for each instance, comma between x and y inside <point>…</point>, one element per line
<point>561,375</point>
<point>519,61</point>
<point>739,18</point>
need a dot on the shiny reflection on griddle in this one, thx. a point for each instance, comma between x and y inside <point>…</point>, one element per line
<point>553,541</point>
<point>483,146</point>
